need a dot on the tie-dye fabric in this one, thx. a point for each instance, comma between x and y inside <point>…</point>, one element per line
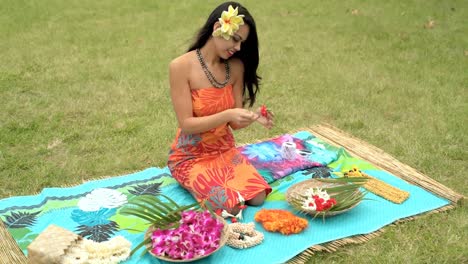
<point>267,157</point>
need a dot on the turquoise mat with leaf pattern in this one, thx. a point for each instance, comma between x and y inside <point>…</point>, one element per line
<point>27,216</point>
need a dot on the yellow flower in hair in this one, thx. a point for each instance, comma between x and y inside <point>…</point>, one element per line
<point>230,23</point>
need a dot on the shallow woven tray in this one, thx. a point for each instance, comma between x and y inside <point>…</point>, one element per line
<point>222,242</point>
<point>299,188</point>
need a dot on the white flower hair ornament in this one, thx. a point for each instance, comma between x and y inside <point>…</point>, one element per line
<point>230,22</point>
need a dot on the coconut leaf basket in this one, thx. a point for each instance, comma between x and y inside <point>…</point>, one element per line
<point>345,191</point>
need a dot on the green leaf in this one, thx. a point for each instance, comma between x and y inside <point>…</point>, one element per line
<point>133,230</point>
<point>170,200</point>
<point>152,207</point>
<point>342,188</point>
<point>144,209</point>
<point>144,242</point>
<point>344,180</point>
<point>155,201</point>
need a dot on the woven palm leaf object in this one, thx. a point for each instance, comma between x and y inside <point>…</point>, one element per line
<point>296,192</point>
<point>50,245</point>
<point>56,245</point>
<point>379,187</point>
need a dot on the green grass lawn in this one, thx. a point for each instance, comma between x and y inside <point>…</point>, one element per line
<point>84,93</point>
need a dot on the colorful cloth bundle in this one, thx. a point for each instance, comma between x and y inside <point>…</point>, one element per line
<point>268,159</point>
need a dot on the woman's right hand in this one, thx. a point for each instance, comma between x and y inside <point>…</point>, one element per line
<point>265,120</point>
<point>241,117</point>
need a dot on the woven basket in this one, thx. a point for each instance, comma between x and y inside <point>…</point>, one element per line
<point>222,242</point>
<point>298,189</point>
<point>51,245</point>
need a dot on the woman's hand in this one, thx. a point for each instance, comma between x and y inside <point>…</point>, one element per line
<point>241,117</point>
<point>265,120</point>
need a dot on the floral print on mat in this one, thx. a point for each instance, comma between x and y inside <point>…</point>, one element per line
<point>94,212</point>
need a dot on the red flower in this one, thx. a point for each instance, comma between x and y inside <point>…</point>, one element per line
<point>264,111</point>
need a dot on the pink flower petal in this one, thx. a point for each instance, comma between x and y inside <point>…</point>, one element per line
<point>197,235</point>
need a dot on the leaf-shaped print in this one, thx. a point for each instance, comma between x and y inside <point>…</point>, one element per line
<point>237,159</point>
<point>102,198</point>
<point>274,183</point>
<point>151,189</point>
<point>21,219</point>
<point>264,152</point>
<point>98,233</point>
<point>318,172</point>
<point>188,140</point>
<point>217,197</point>
<point>266,174</point>
<point>93,218</point>
<point>288,178</point>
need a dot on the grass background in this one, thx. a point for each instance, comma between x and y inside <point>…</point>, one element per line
<point>84,93</point>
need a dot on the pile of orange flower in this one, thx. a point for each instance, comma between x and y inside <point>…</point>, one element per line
<point>282,221</point>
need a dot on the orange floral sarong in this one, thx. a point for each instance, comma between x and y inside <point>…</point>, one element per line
<point>208,164</point>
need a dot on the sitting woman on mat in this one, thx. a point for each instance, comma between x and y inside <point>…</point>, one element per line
<point>203,156</point>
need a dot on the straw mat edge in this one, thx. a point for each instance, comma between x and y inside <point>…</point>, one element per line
<point>11,253</point>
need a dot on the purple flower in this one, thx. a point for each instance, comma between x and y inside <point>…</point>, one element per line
<point>197,235</point>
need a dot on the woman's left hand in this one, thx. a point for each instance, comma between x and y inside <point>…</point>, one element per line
<point>266,121</point>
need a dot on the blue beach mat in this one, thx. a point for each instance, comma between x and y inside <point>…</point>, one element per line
<point>27,216</point>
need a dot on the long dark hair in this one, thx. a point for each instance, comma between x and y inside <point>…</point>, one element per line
<point>248,53</point>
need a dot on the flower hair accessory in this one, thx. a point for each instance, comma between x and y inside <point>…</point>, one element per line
<point>230,22</point>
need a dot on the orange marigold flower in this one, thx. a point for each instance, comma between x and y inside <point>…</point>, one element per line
<point>282,221</point>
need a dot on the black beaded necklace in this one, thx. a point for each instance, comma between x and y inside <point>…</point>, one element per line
<point>210,76</point>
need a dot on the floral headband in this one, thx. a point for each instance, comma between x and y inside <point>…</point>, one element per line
<point>230,23</point>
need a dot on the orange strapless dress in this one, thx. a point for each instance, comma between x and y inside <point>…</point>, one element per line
<point>208,164</point>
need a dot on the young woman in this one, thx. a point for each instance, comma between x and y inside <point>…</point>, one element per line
<point>210,84</point>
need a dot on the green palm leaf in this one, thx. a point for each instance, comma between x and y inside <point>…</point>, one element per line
<point>160,212</point>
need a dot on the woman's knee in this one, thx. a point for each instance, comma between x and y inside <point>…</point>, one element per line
<point>258,199</point>
<point>234,210</point>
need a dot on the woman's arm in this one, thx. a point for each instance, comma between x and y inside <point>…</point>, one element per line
<point>179,70</point>
<point>238,86</point>
<point>237,72</point>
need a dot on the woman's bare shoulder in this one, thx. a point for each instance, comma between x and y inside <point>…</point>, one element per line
<point>237,68</point>
<point>182,62</point>
<point>236,64</point>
